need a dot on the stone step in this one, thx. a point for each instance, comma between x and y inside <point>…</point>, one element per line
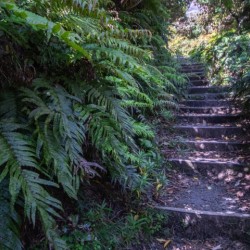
<point>208,96</point>
<point>212,131</point>
<point>205,103</point>
<point>196,73</point>
<point>192,70</point>
<point>208,118</point>
<point>204,224</point>
<point>194,78</point>
<point>205,216</point>
<point>210,110</point>
<point>216,145</point>
<point>199,83</point>
<point>205,166</point>
<point>206,89</point>
<point>199,213</point>
<point>192,65</point>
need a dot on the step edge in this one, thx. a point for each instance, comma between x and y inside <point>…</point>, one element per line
<point>206,127</point>
<point>207,107</point>
<point>209,115</point>
<point>218,142</point>
<point>206,161</point>
<point>219,93</point>
<point>203,212</point>
<point>193,100</point>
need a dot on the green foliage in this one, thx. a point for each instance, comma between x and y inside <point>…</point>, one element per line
<point>234,12</point>
<point>99,228</point>
<point>78,86</point>
<point>228,56</point>
<point>10,224</point>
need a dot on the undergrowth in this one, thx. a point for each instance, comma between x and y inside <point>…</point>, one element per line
<point>114,221</point>
<point>97,229</point>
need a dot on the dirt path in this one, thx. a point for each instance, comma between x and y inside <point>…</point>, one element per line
<point>209,183</point>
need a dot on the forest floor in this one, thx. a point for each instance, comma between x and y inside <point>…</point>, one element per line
<point>204,192</point>
<point>219,243</point>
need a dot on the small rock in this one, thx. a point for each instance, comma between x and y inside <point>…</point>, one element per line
<point>237,183</point>
<point>217,247</point>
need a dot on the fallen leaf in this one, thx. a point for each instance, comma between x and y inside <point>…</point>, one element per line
<point>159,185</point>
<point>166,243</point>
<point>161,240</point>
<point>217,247</point>
<point>237,183</point>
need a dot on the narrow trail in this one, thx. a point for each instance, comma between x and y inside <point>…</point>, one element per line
<point>209,185</point>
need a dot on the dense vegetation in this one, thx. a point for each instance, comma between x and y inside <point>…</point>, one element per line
<point>219,36</point>
<point>228,58</point>
<point>80,81</point>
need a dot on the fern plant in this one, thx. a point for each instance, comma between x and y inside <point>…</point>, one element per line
<point>78,86</point>
<point>229,53</point>
<point>10,226</point>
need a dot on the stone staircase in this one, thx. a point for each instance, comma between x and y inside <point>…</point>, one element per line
<point>216,168</point>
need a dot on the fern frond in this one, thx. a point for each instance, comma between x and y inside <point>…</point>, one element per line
<point>107,100</point>
<point>60,132</point>
<point>143,130</point>
<point>83,25</point>
<point>10,225</point>
<point>125,46</point>
<point>17,154</point>
<point>8,105</point>
<point>116,56</point>
<point>42,23</point>
<point>64,7</point>
<point>134,104</point>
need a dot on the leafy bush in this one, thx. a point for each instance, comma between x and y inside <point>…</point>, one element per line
<point>228,55</point>
<point>78,86</point>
